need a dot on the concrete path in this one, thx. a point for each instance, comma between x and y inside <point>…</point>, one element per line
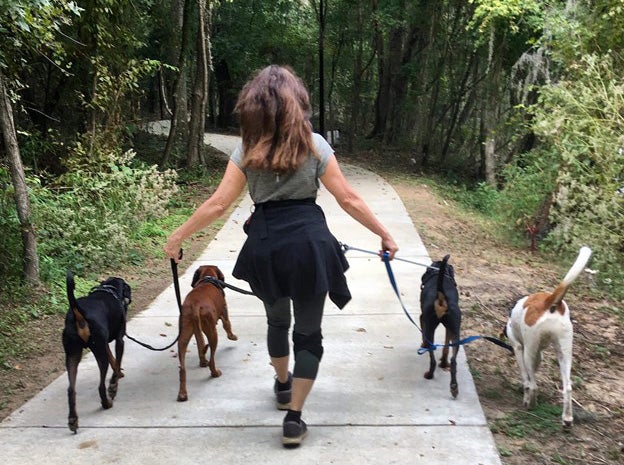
<point>370,403</point>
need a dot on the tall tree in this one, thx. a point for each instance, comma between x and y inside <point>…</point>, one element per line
<point>498,27</point>
<point>18,178</point>
<point>32,27</point>
<point>200,88</point>
<point>178,120</point>
<point>397,37</point>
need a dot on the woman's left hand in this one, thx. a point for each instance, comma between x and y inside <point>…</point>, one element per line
<point>388,246</point>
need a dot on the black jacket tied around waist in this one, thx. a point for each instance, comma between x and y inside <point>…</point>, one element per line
<point>290,252</point>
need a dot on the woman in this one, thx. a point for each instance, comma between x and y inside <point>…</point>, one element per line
<point>290,254</point>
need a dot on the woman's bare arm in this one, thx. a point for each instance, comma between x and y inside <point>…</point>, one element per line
<point>351,202</point>
<point>227,192</point>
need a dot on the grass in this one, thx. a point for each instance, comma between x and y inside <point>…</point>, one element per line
<point>610,310</point>
<point>544,419</point>
<point>14,318</point>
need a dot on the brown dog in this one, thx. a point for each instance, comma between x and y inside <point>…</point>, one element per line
<point>202,307</point>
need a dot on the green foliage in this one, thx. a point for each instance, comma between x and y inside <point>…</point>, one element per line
<point>87,217</point>
<point>513,15</point>
<point>582,120</point>
<point>251,35</point>
<point>40,152</point>
<point>32,26</point>
<point>586,28</point>
<point>112,100</point>
<point>480,197</point>
<point>10,237</point>
<point>528,182</point>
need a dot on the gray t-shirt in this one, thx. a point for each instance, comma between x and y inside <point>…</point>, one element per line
<point>300,184</point>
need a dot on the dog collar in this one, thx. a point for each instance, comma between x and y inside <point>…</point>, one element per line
<point>111,290</point>
<point>214,281</point>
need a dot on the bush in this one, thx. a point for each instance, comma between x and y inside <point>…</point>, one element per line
<point>87,216</point>
<point>10,237</point>
<point>581,119</point>
<point>528,185</point>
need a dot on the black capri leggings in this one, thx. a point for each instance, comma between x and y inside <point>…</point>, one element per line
<point>307,337</point>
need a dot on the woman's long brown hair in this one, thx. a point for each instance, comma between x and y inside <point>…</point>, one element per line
<point>274,110</point>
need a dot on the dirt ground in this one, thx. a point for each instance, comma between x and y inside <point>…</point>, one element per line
<point>490,277</point>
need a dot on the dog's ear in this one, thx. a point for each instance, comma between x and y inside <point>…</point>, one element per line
<point>196,277</point>
<point>220,274</point>
<point>451,271</point>
<point>430,271</point>
<point>127,293</point>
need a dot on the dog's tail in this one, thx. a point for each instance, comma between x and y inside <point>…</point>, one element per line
<point>441,305</point>
<point>581,260</point>
<point>81,324</point>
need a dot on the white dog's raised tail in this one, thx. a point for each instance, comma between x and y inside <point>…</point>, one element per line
<point>540,319</point>
<point>579,264</point>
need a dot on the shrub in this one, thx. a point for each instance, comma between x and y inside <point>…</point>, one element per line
<point>87,216</point>
<point>528,184</point>
<point>581,119</point>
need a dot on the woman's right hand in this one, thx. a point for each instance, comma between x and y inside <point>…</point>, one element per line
<point>173,248</point>
<point>388,245</point>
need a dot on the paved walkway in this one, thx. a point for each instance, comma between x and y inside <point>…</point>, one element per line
<point>370,404</point>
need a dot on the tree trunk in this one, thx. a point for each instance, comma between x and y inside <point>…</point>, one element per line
<point>489,116</point>
<point>356,91</point>
<point>383,91</point>
<point>200,90</point>
<point>180,112</point>
<point>180,61</point>
<point>393,82</point>
<point>358,119</point>
<point>226,96</point>
<point>29,240</point>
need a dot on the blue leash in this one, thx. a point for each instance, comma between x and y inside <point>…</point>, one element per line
<point>432,347</point>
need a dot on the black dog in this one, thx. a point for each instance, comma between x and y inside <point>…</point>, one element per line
<point>439,303</point>
<point>92,322</point>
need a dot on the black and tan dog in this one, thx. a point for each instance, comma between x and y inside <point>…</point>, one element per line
<point>439,303</point>
<point>201,310</point>
<point>92,322</point>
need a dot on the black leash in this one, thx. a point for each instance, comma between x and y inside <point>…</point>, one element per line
<point>221,284</point>
<point>176,286</point>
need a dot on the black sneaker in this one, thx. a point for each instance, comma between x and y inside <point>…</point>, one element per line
<point>282,396</point>
<point>294,432</point>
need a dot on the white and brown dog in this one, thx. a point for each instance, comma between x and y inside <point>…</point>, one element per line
<point>538,320</point>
